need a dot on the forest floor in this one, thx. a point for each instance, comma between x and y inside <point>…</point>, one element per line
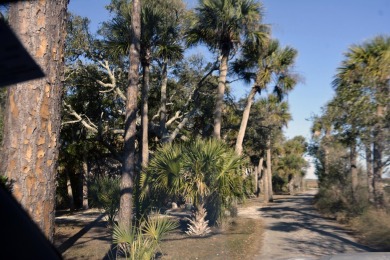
<point>288,228</point>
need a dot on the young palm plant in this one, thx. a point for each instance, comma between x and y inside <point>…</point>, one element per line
<point>204,172</point>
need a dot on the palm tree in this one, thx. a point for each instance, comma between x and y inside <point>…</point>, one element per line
<point>223,25</point>
<point>368,67</point>
<point>202,171</point>
<point>273,65</point>
<point>275,115</point>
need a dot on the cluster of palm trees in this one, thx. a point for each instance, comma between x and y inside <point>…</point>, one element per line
<point>356,120</point>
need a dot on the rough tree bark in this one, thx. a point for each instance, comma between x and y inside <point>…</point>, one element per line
<point>128,168</point>
<point>32,120</point>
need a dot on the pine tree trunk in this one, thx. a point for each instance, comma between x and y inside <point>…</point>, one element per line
<point>128,168</point>
<point>32,119</point>
<point>220,94</point>
<point>244,120</point>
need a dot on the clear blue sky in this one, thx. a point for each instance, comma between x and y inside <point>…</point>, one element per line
<point>321,31</point>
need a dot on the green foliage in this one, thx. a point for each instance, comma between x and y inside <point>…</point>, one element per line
<point>142,242</point>
<point>5,183</point>
<point>201,171</point>
<point>105,194</point>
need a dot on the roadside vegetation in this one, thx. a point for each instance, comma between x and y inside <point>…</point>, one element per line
<point>351,143</point>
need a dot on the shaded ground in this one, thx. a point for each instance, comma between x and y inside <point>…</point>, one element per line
<point>83,235</point>
<point>289,228</point>
<point>295,230</point>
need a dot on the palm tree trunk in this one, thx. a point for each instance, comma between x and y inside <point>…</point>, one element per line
<point>163,106</point>
<point>128,167</point>
<point>370,175</point>
<point>144,111</point>
<point>244,120</point>
<point>353,171</point>
<point>220,94</point>
<point>266,186</point>
<point>379,140</point>
<point>269,173</point>
<point>259,176</point>
<point>32,119</point>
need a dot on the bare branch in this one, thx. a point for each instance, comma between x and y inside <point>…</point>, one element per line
<point>88,125</point>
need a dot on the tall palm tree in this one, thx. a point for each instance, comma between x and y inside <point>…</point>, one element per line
<point>273,65</point>
<point>223,25</point>
<point>275,115</point>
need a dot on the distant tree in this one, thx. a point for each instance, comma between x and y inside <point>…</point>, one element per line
<point>32,118</point>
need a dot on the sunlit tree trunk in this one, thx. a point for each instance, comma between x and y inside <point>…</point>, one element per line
<point>70,192</point>
<point>32,119</point>
<point>244,120</point>
<point>85,182</point>
<point>269,172</point>
<point>128,168</point>
<point>259,176</point>
<point>220,94</point>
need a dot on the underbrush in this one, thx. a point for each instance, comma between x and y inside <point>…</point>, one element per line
<point>372,225</point>
<point>374,228</point>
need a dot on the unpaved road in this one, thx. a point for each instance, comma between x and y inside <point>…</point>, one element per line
<point>295,230</point>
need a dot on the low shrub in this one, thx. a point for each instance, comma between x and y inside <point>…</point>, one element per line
<point>105,194</point>
<point>374,226</point>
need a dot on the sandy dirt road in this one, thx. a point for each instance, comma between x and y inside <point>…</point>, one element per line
<point>295,230</point>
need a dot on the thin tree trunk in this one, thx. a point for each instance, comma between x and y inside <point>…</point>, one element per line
<point>266,186</point>
<point>354,171</point>
<point>259,176</point>
<point>144,112</point>
<point>269,170</point>
<point>128,168</point>
<point>70,192</point>
<point>163,106</point>
<point>244,120</point>
<point>220,94</point>
<point>32,119</point>
<point>370,175</point>
<point>377,159</point>
<point>85,182</point>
